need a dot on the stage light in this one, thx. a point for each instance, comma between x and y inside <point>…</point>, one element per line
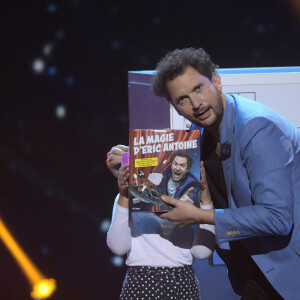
<point>52,71</point>
<point>42,287</point>
<point>38,65</point>
<point>116,45</point>
<point>104,226</point>
<point>117,261</point>
<point>60,111</point>
<point>48,49</point>
<point>60,34</point>
<point>260,28</point>
<point>52,8</point>
<point>70,80</point>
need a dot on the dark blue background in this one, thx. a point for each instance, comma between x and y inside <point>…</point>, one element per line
<point>55,189</point>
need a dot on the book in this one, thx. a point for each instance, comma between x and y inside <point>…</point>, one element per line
<point>163,162</point>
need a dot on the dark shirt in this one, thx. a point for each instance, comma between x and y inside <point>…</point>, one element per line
<point>215,179</point>
<point>214,172</point>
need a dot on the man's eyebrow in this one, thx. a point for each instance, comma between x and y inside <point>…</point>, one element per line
<point>181,97</point>
<point>196,86</point>
<point>181,164</point>
<point>192,90</point>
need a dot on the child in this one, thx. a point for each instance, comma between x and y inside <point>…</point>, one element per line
<point>159,254</point>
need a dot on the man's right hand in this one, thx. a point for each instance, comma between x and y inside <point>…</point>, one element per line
<point>113,160</point>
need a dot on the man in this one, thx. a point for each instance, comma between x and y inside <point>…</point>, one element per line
<point>252,159</point>
<point>177,182</point>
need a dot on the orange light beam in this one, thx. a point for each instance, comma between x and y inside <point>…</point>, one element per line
<point>42,287</point>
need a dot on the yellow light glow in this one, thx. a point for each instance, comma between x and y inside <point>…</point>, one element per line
<point>42,287</point>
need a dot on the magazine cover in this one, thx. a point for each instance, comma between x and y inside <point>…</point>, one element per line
<point>163,162</point>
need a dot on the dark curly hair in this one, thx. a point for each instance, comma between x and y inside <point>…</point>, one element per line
<point>175,64</point>
<point>182,153</point>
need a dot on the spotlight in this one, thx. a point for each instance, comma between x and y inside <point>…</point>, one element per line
<point>116,45</point>
<point>52,8</point>
<point>48,49</point>
<point>38,65</point>
<point>60,111</point>
<point>52,71</point>
<point>117,261</point>
<point>104,226</point>
<point>70,80</point>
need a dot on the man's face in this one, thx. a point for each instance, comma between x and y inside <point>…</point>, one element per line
<point>179,168</point>
<point>197,98</point>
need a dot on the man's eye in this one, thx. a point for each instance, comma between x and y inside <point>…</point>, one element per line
<point>183,101</point>
<point>198,88</point>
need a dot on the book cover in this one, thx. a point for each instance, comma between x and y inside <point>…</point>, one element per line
<point>163,162</point>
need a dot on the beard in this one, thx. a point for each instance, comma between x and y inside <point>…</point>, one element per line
<point>215,114</point>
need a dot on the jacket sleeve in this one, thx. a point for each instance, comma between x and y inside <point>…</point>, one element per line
<point>118,236</point>
<point>204,239</point>
<point>266,155</point>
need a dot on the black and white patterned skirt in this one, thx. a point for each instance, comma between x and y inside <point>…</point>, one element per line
<point>146,283</point>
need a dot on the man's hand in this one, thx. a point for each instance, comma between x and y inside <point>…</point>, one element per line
<point>186,213</point>
<point>113,160</point>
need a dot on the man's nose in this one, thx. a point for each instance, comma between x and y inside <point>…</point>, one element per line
<point>195,102</point>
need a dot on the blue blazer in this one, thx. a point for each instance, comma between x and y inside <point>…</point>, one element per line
<point>262,176</point>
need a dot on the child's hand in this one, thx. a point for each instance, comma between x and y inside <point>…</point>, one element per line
<point>113,160</point>
<point>123,181</point>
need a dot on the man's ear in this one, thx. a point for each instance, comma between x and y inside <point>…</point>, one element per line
<point>217,80</point>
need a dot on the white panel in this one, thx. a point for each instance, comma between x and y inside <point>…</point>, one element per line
<point>177,121</point>
<point>283,98</point>
<point>260,78</point>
